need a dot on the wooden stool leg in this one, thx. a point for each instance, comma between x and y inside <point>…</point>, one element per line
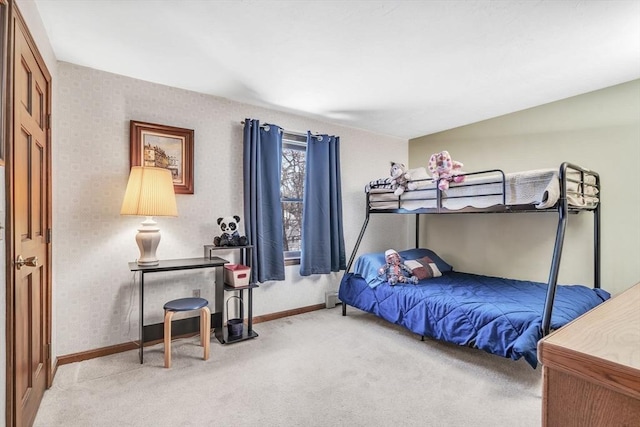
<point>201,327</point>
<point>205,331</point>
<point>168,315</point>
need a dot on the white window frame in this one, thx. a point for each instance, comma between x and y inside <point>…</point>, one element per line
<point>293,141</point>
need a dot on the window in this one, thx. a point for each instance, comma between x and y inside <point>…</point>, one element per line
<point>291,193</point>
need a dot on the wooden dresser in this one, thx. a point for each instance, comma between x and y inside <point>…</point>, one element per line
<point>591,367</point>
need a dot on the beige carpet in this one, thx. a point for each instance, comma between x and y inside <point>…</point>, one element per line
<point>314,369</point>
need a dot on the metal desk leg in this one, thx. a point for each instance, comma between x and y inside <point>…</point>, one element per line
<point>250,309</point>
<point>219,304</point>
<point>141,316</point>
<point>247,261</point>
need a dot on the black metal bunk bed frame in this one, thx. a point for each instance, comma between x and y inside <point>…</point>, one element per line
<point>562,207</point>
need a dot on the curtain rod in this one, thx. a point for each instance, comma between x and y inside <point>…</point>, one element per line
<point>293,132</point>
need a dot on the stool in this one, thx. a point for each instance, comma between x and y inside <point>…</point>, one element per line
<point>187,304</point>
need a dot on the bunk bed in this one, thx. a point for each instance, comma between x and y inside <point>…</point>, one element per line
<point>502,316</point>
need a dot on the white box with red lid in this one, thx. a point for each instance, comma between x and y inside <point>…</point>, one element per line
<point>236,275</point>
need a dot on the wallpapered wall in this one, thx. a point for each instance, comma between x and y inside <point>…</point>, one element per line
<point>598,130</point>
<point>96,298</point>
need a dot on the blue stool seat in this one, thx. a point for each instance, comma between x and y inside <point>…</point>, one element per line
<point>187,304</point>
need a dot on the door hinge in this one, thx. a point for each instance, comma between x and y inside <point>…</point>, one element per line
<point>48,352</point>
<point>48,238</point>
<point>49,121</point>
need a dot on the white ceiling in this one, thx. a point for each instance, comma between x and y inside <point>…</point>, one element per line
<point>401,68</point>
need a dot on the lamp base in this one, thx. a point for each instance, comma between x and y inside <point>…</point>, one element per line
<point>148,238</point>
<point>148,263</point>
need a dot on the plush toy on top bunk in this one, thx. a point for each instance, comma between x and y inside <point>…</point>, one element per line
<point>395,271</point>
<point>399,178</point>
<point>445,169</point>
<point>230,235</point>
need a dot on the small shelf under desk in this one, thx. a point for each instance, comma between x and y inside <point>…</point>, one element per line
<point>245,258</point>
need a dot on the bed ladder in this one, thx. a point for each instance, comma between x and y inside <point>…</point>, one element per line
<point>563,214</point>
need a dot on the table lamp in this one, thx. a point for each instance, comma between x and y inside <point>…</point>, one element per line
<point>149,193</point>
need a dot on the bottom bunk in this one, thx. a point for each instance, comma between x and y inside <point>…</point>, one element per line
<point>498,315</point>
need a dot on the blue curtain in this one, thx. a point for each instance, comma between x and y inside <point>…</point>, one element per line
<point>262,208</point>
<point>322,247</point>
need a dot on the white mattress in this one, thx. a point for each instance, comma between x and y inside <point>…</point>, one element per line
<point>540,188</point>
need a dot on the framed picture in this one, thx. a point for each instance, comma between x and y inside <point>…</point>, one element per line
<point>164,147</point>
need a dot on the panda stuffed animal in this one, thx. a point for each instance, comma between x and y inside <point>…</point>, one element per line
<point>230,235</point>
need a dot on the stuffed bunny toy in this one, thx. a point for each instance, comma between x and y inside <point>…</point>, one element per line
<point>445,170</point>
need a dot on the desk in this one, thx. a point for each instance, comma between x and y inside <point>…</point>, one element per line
<point>184,264</point>
<point>591,367</point>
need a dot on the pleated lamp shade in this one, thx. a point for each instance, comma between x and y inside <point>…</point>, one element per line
<point>149,193</point>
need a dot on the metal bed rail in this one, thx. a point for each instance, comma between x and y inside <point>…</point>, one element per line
<point>495,176</point>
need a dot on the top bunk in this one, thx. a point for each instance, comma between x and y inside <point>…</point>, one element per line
<point>570,187</point>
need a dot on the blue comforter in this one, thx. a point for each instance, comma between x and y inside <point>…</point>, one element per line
<point>500,316</point>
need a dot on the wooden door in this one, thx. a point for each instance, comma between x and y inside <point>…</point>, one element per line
<point>30,213</point>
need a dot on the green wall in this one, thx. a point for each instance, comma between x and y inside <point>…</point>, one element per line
<point>599,130</point>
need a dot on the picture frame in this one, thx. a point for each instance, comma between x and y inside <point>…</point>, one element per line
<point>167,147</point>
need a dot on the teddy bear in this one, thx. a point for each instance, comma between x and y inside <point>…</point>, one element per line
<point>230,235</point>
<point>394,271</point>
<point>445,170</point>
<point>399,178</point>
